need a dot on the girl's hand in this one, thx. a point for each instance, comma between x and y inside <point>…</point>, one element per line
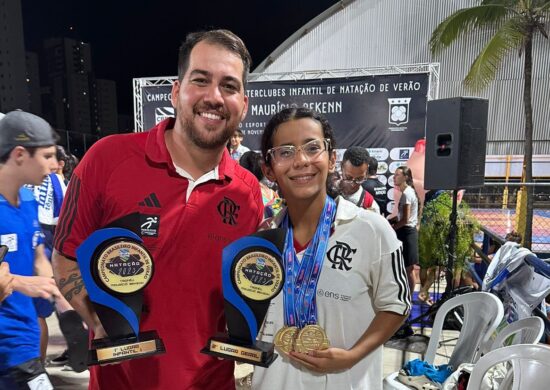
<point>326,361</point>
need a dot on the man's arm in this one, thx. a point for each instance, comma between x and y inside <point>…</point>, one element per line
<point>68,278</point>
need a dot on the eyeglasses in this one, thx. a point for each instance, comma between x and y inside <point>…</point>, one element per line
<point>286,153</point>
<point>357,181</point>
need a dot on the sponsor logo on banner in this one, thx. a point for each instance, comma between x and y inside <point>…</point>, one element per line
<point>401,153</point>
<point>383,179</point>
<point>391,183</point>
<point>382,168</point>
<point>396,164</point>
<point>391,193</point>
<point>398,112</point>
<point>161,113</point>
<point>389,206</point>
<point>380,154</point>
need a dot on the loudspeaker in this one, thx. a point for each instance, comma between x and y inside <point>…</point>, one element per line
<point>456,142</point>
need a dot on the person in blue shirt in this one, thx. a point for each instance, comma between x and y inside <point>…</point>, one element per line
<point>6,281</point>
<point>27,154</point>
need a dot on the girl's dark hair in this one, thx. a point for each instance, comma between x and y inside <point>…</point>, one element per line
<point>409,180</point>
<point>290,114</point>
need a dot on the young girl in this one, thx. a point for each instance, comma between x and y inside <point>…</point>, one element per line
<point>407,221</point>
<point>345,290</point>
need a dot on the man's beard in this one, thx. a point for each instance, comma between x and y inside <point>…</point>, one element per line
<point>220,139</point>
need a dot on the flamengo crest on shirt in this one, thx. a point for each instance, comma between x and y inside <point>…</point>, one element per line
<point>229,211</point>
<point>340,256</point>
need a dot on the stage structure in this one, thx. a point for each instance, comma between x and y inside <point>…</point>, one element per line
<point>382,108</point>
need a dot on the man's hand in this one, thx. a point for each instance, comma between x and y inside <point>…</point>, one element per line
<point>6,281</point>
<point>36,286</point>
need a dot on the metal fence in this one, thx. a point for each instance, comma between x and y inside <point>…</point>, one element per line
<point>500,208</point>
<point>77,143</point>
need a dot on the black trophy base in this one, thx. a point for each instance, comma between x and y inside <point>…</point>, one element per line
<point>260,354</point>
<point>104,351</point>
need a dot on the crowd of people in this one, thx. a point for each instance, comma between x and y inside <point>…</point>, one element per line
<point>209,190</point>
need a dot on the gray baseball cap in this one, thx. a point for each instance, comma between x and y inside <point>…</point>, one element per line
<point>19,128</point>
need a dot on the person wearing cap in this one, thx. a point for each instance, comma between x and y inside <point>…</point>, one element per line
<point>27,154</point>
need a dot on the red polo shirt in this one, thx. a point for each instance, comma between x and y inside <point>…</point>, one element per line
<point>130,173</point>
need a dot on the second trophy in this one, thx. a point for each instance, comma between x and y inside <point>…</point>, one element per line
<point>252,275</point>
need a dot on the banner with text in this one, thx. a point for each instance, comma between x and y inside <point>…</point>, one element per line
<point>384,113</point>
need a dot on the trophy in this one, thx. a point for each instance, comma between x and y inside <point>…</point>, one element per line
<point>115,268</point>
<point>252,275</point>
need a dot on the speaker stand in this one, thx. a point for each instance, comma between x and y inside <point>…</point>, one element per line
<point>451,257</point>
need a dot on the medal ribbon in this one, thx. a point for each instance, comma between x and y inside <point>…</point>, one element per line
<point>299,294</point>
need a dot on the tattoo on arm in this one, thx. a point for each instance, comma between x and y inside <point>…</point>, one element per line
<point>72,285</point>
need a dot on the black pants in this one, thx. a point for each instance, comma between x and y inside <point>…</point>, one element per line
<point>18,377</point>
<point>409,237</point>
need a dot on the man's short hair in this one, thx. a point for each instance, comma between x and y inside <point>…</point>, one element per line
<point>223,38</point>
<point>356,155</point>
<point>239,133</point>
<point>373,166</point>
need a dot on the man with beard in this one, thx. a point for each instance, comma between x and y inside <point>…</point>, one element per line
<point>192,199</point>
<point>354,169</point>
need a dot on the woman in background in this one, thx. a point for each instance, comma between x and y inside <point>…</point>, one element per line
<point>407,223</point>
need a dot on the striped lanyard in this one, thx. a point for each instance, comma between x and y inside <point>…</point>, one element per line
<point>301,278</point>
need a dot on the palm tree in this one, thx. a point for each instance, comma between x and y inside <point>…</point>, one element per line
<point>515,23</point>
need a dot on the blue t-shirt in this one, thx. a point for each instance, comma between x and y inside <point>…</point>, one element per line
<point>19,330</point>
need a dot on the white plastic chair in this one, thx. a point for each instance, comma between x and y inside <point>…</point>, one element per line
<point>482,314</point>
<point>525,331</point>
<point>530,364</point>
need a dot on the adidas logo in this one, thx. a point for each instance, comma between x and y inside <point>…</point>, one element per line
<point>151,201</point>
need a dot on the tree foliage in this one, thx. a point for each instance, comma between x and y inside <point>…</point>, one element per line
<point>434,232</point>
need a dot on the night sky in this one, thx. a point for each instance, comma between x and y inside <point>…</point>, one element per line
<point>140,38</point>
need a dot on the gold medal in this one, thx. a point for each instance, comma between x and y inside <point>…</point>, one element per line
<point>285,337</point>
<point>311,338</point>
